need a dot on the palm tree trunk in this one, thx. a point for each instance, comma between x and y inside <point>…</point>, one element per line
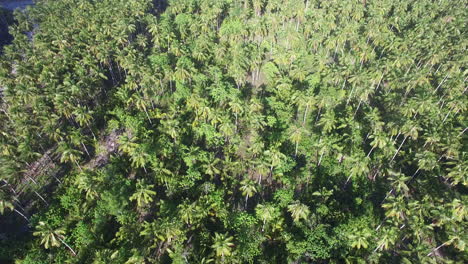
<point>370,151</point>
<point>347,180</point>
<point>320,160</point>
<point>85,149</point>
<point>461,133</point>
<point>360,102</point>
<point>236,121</point>
<point>398,150</point>
<point>22,215</point>
<point>305,114</point>
<point>318,114</point>
<point>112,73</point>
<point>440,84</point>
<point>63,242</point>
<point>94,136</point>
<point>350,94</point>
<point>148,116</point>
<point>42,198</point>
<point>398,135</point>
<point>76,162</point>
<point>32,180</point>
<point>295,153</point>
<point>435,249</point>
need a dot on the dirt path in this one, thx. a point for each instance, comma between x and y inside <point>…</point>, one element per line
<point>42,176</point>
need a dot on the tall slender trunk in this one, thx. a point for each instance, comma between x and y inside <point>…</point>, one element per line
<point>398,150</point>
<point>149,119</point>
<point>305,114</point>
<point>85,149</point>
<point>236,121</point>
<point>295,153</point>
<point>31,179</point>
<point>320,160</point>
<point>445,118</point>
<point>397,136</point>
<point>347,180</point>
<point>380,81</point>
<point>318,115</point>
<point>438,68</point>
<point>63,242</point>
<point>435,249</point>
<point>78,165</point>
<point>94,136</point>
<point>370,151</point>
<point>440,84</point>
<point>22,215</point>
<point>112,74</point>
<point>350,94</point>
<point>359,105</point>
<point>42,198</point>
<point>461,133</point>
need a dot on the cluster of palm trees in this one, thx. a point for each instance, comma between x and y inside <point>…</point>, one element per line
<point>322,130</point>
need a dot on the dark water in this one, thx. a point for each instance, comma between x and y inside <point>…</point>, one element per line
<point>6,18</point>
<point>13,4</point>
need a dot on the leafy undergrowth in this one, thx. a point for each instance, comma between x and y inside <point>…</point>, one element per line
<point>210,131</point>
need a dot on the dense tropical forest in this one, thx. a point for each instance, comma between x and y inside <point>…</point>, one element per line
<point>234,131</point>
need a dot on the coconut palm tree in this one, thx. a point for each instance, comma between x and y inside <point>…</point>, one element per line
<point>248,189</point>
<point>295,135</point>
<point>5,205</point>
<point>51,237</point>
<point>143,194</point>
<point>187,212</point>
<point>265,213</point>
<point>222,245</point>
<point>359,238</point>
<point>299,211</point>
<point>8,205</point>
<point>68,154</point>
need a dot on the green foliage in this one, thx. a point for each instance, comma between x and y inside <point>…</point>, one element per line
<point>315,245</point>
<point>143,194</point>
<point>220,131</point>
